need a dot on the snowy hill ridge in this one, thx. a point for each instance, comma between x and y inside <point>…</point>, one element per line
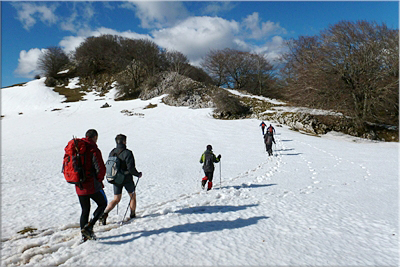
<point>324,201</point>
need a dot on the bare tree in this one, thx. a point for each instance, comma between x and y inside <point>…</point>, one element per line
<point>215,64</point>
<point>239,70</point>
<point>131,78</point>
<point>351,67</point>
<point>177,62</point>
<point>52,61</point>
<point>99,55</point>
<point>145,51</point>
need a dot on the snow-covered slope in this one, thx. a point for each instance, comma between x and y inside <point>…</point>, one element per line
<point>318,201</point>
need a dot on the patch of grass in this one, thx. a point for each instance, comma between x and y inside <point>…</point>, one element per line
<point>27,229</point>
<point>72,95</point>
<point>150,106</point>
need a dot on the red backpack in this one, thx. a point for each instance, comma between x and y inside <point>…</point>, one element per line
<point>74,162</point>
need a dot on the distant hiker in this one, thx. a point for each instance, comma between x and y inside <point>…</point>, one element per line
<point>208,159</point>
<point>271,129</point>
<point>268,139</point>
<point>92,187</point>
<point>129,169</point>
<point>263,125</point>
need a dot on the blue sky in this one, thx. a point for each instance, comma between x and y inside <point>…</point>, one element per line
<point>192,28</point>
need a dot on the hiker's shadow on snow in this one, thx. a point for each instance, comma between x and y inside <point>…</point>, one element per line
<point>247,186</point>
<point>290,154</point>
<point>213,209</point>
<point>285,149</point>
<point>197,227</point>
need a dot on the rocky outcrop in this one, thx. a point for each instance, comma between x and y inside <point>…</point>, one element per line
<point>322,124</point>
<point>181,90</point>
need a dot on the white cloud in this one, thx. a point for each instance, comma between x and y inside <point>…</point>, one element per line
<point>213,8</point>
<point>259,30</point>
<point>29,12</point>
<point>27,63</point>
<point>80,18</point>
<point>70,43</point>
<point>157,14</point>
<point>195,36</point>
<point>272,50</point>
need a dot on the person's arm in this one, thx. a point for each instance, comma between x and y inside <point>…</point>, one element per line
<point>98,163</point>
<point>202,158</point>
<point>217,159</point>
<point>130,164</point>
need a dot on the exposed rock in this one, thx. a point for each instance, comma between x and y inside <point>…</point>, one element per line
<point>181,90</point>
<point>106,105</point>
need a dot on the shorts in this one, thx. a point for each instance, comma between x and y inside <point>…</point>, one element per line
<point>129,187</point>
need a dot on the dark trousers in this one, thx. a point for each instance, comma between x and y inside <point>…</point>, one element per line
<point>269,149</point>
<point>101,201</point>
<point>209,175</point>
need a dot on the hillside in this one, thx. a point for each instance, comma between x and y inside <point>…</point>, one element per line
<point>328,201</point>
<point>182,91</point>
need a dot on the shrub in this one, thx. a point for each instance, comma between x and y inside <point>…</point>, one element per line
<point>52,60</point>
<point>228,106</point>
<point>50,82</point>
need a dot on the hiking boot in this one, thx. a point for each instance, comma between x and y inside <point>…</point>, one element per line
<point>103,218</point>
<point>84,239</point>
<point>87,232</point>
<point>133,214</point>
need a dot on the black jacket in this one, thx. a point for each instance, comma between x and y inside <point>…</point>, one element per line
<point>208,158</point>
<point>127,161</point>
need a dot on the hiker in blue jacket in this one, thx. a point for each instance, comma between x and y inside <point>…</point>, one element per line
<point>263,125</point>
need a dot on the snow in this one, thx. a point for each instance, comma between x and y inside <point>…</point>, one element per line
<point>273,101</point>
<point>321,201</point>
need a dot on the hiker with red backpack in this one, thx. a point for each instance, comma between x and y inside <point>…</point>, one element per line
<point>129,169</point>
<point>83,156</point>
<point>208,159</point>
<point>262,125</point>
<point>271,129</point>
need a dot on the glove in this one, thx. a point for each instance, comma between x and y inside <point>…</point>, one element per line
<point>219,156</point>
<point>140,174</point>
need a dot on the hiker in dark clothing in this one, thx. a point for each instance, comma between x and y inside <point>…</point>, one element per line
<point>271,129</point>
<point>92,188</point>
<point>208,159</point>
<point>268,139</point>
<point>129,169</point>
<point>263,125</point>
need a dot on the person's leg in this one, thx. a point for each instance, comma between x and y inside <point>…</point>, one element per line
<point>101,201</point>
<point>117,198</point>
<point>210,176</point>
<point>130,188</point>
<point>113,203</point>
<point>204,180</point>
<point>133,204</point>
<point>85,205</point>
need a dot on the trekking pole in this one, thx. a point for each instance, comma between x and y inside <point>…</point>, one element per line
<point>129,203</point>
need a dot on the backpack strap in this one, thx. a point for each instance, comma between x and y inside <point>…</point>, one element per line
<point>117,154</point>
